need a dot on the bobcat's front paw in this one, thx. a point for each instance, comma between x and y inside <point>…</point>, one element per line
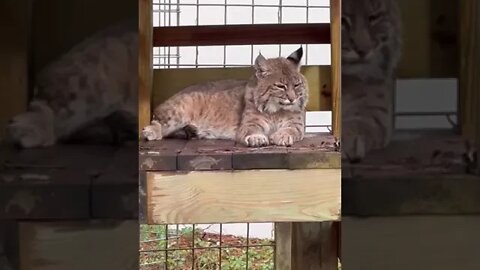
<point>282,138</point>
<point>31,129</point>
<point>353,148</point>
<point>256,140</point>
<point>152,132</point>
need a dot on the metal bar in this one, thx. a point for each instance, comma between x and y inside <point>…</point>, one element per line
<point>223,247</point>
<point>220,248</point>
<point>248,245</point>
<point>193,247</point>
<point>243,5</point>
<point>166,247</point>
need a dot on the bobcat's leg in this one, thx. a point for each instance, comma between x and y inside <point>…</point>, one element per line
<point>34,127</point>
<point>167,120</point>
<point>253,130</point>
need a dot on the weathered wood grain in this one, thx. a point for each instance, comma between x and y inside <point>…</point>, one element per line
<point>201,155</point>
<point>314,246</point>
<point>160,155</point>
<point>115,192</point>
<point>469,81</point>
<point>314,152</point>
<point>145,62</point>
<point>335,33</point>
<point>78,245</point>
<point>283,245</point>
<point>244,196</point>
<point>269,157</point>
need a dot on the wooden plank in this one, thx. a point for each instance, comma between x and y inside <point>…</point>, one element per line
<point>9,251</point>
<point>167,82</point>
<point>469,82</point>
<point>160,155</point>
<point>314,33</point>
<point>336,32</point>
<point>68,245</point>
<point>50,183</point>
<point>424,242</point>
<point>115,191</point>
<point>201,155</point>
<point>145,62</point>
<point>269,157</point>
<point>142,197</point>
<point>314,246</point>
<point>243,196</point>
<point>411,195</point>
<point>283,245</point>
<point>314,152</point>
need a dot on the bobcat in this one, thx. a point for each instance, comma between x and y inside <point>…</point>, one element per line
<point>267,109</point>
<point>91,89</point>
<point>370,52</point>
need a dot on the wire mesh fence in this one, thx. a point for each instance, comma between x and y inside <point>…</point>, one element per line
<point>198,247</point>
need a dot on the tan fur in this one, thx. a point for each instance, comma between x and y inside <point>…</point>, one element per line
<point>268,108</point>
<point>370,52</point>
<point>94,79</point>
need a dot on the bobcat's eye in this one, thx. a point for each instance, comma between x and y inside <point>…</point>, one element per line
<point>281,85</point>
<point>297,85</point>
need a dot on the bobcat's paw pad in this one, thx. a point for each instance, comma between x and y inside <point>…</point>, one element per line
<point>256,140</point>
<point>152,132</point>
<point>282,139</point>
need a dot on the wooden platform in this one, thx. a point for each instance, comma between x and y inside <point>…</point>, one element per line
<point>316,151</point>
<point>69,182</point>
<point>205,181</point>
<point>419,173</point>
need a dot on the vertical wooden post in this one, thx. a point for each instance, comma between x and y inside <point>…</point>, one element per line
<point>469,80</point>
<point>307,246</point>
<point>145,62</point>
<point>15,25</point>
<point>283,246</point>
<point>335,32</point>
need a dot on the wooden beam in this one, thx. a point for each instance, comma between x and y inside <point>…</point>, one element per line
<point>145,62</point>
<point>469,81</point>
<point>317,33</point>
<point>335,18</point>
<point>67,245</point>
<point>283,245</point>
<point>243,196</point>
<point>14,75</point>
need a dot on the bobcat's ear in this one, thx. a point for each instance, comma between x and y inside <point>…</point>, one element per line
<point>296,57</point>
<point>260,66</point>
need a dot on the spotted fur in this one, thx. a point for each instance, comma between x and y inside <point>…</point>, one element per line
<point>269,108</point>
<point>93,83</point>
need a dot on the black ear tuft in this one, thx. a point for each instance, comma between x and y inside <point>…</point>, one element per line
<point>296,56</point>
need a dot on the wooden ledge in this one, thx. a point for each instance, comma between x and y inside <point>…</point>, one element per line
<point>316,151</point>
<point>424,175</point>
<point>69,182</point>
<point>314,33</point>
<point>241,196</point>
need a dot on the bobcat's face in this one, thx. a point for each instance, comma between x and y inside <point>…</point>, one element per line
<point>280,85</point>
<point>370,35</point>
